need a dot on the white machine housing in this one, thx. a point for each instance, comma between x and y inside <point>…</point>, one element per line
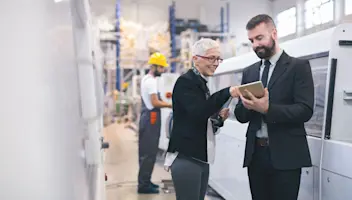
<point>51,107</point>
<point>166,85</point>
<point>330,178</point>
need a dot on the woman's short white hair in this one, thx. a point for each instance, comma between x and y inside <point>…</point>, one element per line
<point>203,45</point>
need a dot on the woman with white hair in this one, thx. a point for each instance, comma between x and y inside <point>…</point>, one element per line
<point>196,117</point>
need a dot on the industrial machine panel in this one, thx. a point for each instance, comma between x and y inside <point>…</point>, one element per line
<point>307,184</point>
<point>319,67</point>
<point>336,187</point>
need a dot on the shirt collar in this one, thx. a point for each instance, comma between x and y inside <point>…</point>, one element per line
<point>273,60</point>
<point>205,78</point>
<point>199,74</point>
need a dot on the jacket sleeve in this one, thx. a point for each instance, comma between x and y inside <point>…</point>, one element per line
<point>187,95</point>
<point>303,96</point>
<point>243,115</point>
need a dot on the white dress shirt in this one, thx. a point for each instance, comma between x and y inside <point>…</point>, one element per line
<point>263,132</point>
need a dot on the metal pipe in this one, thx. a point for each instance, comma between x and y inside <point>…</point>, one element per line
<point>118,75</point>
<point>228,16</point>
<point>173,33</point>
<point>222,28</point>
<point>215,34</point>
<point>222,19</point>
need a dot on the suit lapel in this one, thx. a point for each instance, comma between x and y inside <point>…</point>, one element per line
<point>253,73</point>
<point>257,71</point>
<point>280,68</point>
<point>198,81</point>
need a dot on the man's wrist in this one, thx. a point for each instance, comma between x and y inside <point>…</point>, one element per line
<point>266,109</point>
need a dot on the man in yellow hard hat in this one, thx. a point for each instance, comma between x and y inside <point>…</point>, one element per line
<point>150,123</point>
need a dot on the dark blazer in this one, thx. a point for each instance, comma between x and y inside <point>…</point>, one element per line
<point>291,101</point>
<point>191,111</point>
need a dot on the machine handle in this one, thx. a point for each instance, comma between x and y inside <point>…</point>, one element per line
<point>345,42</point>
<point>347,95</point>
<point>105,145</point>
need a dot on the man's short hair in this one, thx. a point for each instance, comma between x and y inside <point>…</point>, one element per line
<point>201,46</point>
<point>262,18</point>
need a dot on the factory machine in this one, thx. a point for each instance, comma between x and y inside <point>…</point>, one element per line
<point>329,130</point>
<point>166,85</point>
<point>52,102</point>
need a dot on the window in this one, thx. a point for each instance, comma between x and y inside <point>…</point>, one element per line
<point>286,22</point>
<point>318,12</point>
<point>348,7</point>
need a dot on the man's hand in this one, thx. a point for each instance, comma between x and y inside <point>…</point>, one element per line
<point>260,105</point>
<point>235,93</point>
<point>224,113</point>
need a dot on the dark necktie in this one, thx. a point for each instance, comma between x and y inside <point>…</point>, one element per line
<point>265,73</point>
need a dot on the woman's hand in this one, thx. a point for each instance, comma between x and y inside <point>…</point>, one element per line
<point>224,113</point>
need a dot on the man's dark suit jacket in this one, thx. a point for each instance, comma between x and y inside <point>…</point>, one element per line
<point>291,101</point>
<point>191,111</point>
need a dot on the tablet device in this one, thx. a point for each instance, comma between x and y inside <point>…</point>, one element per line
<point>256,88</point>
<point>226,105</point>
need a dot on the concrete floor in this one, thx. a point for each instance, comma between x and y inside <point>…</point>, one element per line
<point>121,167</point>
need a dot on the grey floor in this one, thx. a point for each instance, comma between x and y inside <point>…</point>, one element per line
<point>121,167</point>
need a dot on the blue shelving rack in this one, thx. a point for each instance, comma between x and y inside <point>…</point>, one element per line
<point>118,13</point>
<point>172,21</point>
<point>222,24</point>
<point>228,17</point>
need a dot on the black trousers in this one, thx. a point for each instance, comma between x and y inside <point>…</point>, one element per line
<point>268,183</point>
<point>148,146</point>
<point>190,178</point>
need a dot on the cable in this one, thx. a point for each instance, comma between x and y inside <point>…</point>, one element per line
<point>121,184</point>
<point>321,154</point>
<point>322,135</point>
<point>321,167</point>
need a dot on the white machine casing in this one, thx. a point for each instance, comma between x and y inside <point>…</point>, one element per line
<point>51,110</point>
<point>330,178</point>
<point>166,85</point>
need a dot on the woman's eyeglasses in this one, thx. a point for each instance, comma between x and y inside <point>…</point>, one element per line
<point>211,59</point>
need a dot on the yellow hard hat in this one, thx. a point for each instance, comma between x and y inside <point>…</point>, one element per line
<point>158,59</point>
<point>125,85</point>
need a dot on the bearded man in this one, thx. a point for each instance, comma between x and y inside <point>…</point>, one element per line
<point>276,145</point>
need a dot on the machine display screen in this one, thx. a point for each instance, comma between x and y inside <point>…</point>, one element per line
<point>319,66</point>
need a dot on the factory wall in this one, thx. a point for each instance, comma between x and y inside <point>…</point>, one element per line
<point>149,12</point>
<point>281,5</point>
<point>242,11</point>
<point>207,11</point>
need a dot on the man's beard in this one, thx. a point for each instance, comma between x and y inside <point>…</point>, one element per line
<point>268,51</point>
<point>156,73</point>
